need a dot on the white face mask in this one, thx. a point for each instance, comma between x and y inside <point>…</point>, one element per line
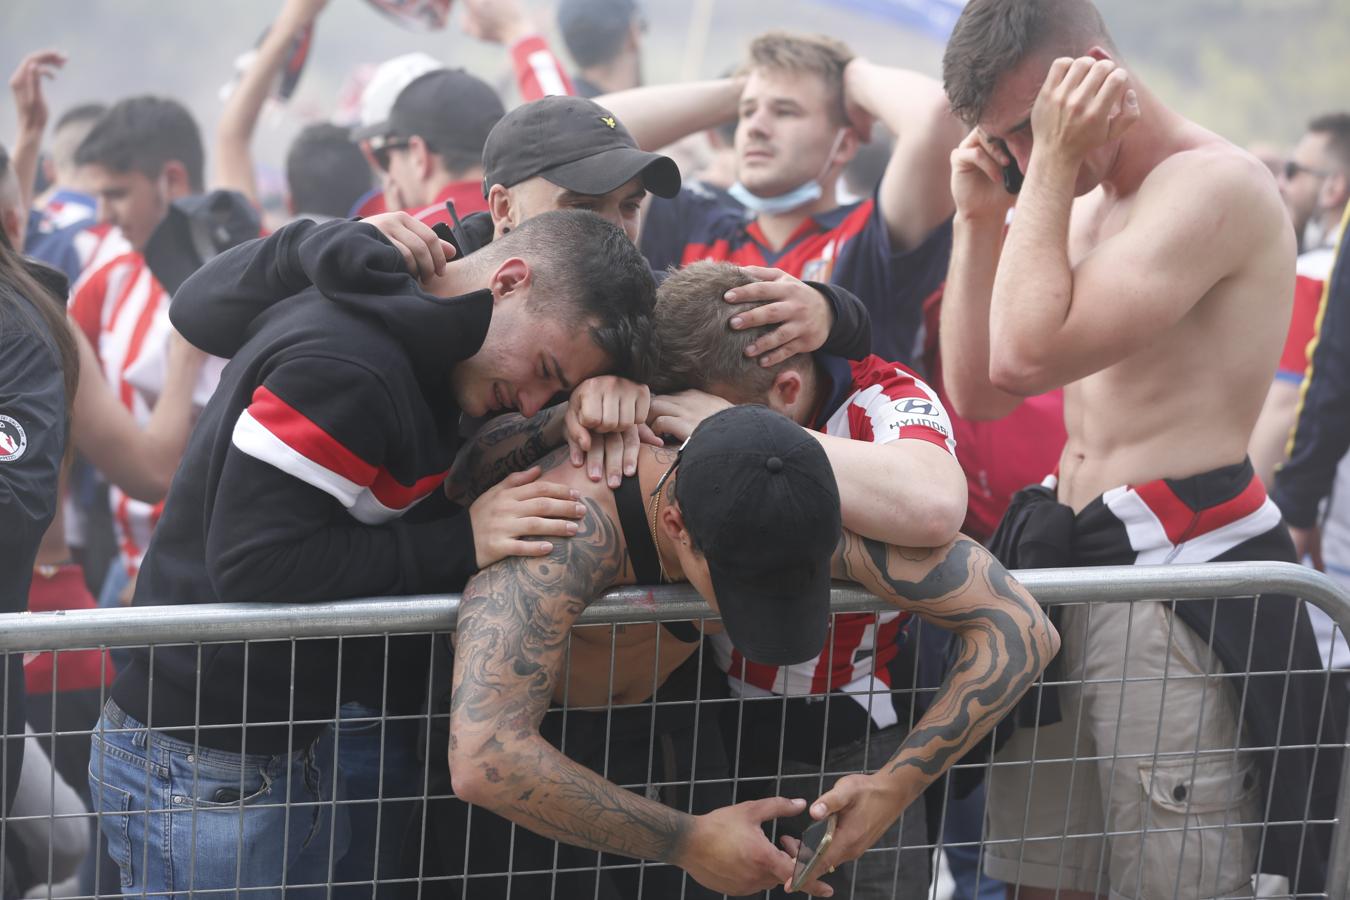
<point>796,198</point>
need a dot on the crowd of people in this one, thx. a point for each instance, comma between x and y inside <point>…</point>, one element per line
<point>821,319</point>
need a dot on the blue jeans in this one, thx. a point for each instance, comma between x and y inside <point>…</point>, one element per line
<point>378,759</point>
<point>179,817</point>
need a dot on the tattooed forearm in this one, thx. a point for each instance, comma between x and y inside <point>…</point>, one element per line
<point>1006,639</point>
<point>514,622</point>
<point>509,443</point>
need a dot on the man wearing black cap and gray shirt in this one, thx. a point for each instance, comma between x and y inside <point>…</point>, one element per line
<point>604,39</point>
<point>429,151</point>
<point>748,513</point>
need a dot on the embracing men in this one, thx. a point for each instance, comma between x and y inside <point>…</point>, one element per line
<point>749,513</point>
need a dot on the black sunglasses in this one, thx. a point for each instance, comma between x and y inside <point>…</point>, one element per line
<point>380,151</point>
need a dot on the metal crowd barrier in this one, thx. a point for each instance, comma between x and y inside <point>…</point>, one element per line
<point>204,625</point>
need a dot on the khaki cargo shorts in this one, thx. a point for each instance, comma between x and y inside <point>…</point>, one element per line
<point>1141,791</point>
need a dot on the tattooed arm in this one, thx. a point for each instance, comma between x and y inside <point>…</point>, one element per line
<point>509,443</point>
<point>1005,639</point>
<point>513,628</point>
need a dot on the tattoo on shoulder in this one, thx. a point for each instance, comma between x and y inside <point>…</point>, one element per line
<point>510,443</point>
<point>516,615</point>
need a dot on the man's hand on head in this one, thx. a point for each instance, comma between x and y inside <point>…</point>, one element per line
<point>677,415</point>
<point>424,252</point>
<point>606,424</point>
<point>1083,104</point>
<point>803,315</point>
<point>977,179</point>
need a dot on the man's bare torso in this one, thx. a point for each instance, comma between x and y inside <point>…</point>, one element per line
<point>618,663</point>
<point>1185,403</point>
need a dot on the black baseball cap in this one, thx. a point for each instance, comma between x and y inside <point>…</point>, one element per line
<point>448,108</point>
<point>759,498</point>
<point>195,230</point>
<point>576,144</point>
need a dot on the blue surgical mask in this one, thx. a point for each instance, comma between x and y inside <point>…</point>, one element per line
<point>793,199</point>
<point>796,198</point>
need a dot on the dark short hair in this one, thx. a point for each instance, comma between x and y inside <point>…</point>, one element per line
<point>587,272</point>
<point>1336,126</point>
<point>325,172</point>
<point>993,37</point>
<point>142,134</point>
<point>594,30</point>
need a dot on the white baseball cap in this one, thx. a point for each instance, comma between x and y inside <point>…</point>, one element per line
<point>389,80</point>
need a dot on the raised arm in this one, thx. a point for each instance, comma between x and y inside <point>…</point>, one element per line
<point>914,195</point>
<point>1005,642</point>
<point>514,622</point>
<point>30,109</point>
<point>1196,219</point>
<point>139,461</point>
<point>661,114</point>
<point>234,133</point>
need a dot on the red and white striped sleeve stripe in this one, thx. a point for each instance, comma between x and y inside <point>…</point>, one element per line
<point>538,71</point>
<point>272,431</point>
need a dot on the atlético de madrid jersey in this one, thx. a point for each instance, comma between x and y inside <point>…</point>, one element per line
<point>868,400</point>
<point>849,246</point>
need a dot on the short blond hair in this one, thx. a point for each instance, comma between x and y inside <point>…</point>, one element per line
<point>818,54</point>
<point>697,347</point>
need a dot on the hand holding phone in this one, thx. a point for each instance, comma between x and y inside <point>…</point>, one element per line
<point>1012,175</point>
<point>811,851</point>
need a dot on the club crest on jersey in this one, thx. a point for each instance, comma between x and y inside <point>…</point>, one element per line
<point>13,440</point>
<point>608,120</point>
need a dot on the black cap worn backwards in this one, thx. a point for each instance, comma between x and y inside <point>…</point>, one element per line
<point>448,108</point>
<point>574,143</point>
<point>759,498</point>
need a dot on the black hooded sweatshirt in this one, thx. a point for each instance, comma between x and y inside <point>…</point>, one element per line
<point>333,420</point>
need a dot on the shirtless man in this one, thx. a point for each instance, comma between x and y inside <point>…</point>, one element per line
<point>1147,270</point>
<point>762,555</point>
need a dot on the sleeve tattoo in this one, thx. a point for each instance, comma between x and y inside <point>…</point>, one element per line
<point>1006,638</point>
<point>514,623</point>
<point>508,443</point>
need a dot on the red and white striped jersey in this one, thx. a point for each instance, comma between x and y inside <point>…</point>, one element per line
<point>869,400</point>
<point>116,306</point>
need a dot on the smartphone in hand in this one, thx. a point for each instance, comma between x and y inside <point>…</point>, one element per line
<point>811,852</point>
<point>1012,175</point>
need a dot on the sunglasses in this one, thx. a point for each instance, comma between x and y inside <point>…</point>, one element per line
<point>1293,169</point>
<point>379,151</point>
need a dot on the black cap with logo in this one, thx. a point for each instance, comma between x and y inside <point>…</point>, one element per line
<point>574,143</point>
<point>448,108</point>
<point>758,496</point>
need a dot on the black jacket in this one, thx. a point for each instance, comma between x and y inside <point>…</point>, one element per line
<point>332,421</point>
<point>1321,435</point>
<point>33,431</point>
